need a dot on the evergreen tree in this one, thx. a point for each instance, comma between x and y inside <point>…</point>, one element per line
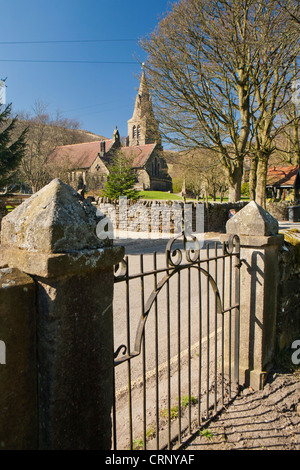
<point>12,149</point>
<point>121,179</point>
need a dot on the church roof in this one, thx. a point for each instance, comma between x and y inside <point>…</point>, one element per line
<point>81,156</point>
<point>78,155</point>
<point>139,154</point>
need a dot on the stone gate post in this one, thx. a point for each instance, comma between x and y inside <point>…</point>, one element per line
<point>259,242</point>
<point>52,238</point>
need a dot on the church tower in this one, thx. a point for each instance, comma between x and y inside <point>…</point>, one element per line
<point>143,127</point>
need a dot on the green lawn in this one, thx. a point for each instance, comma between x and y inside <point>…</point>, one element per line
<point>159,195</point>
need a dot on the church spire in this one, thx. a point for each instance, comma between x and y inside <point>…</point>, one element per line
<point>143,127</point>
<point>143,89</point>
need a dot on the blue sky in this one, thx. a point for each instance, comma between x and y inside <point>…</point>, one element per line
<point>99,95</point>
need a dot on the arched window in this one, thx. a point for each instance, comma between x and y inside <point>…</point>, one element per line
<point>138,132</point>
<point>134,132</point>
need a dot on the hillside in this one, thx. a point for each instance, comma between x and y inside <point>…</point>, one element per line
<point>56,134</point>
<point>86,136</point>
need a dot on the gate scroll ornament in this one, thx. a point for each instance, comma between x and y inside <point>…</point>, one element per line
<point>174,264</point>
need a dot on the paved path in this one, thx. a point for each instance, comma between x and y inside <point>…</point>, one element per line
<point>135,303</point>
<point>147,246</point>
<point>267,419</point>
<point>138,245</point>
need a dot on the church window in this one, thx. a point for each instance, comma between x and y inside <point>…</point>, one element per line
<point>134,132</point>
<point>138,132</point>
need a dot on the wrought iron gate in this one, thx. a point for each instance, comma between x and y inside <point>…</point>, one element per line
<point>179,374</point>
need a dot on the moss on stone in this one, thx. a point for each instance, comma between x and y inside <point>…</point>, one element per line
<point>292,238</point>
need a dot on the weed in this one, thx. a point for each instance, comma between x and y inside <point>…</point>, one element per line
<point>206,433</point>
<point>174,410</point>
<point>186,400</point>
<point>150,432</point>
<point>138,444</point>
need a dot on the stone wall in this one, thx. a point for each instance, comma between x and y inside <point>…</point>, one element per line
<point>217,214</point>
<point>279,210</point>
<point>288,312</point>
<point>166,216</point>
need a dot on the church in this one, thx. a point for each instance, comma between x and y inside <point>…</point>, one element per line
<point>90,161</point>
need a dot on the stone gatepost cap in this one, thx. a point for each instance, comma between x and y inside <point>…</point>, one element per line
<point>252,220</point>
<point>54,220</point>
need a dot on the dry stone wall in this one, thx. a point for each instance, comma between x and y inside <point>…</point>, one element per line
<point>166,216</point>
<point>288,312</point>
<point>279,210</point>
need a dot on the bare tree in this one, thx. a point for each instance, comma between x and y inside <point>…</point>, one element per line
<point>199,66</point>
<point>288,141</point>
<point>292,9</point>
<point>202,173</point>
<point>272,75</point>
<point>206,175</point>
<point>208,66</point>
<point>44,134</point>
